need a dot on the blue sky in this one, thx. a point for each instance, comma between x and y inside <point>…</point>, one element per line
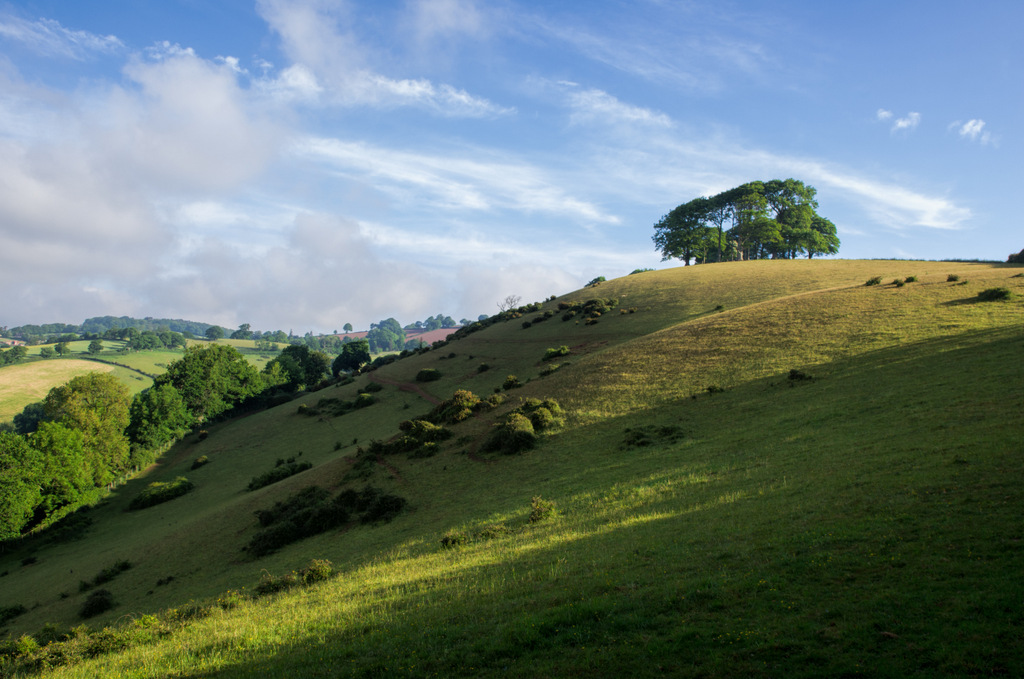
<point>302,164</point>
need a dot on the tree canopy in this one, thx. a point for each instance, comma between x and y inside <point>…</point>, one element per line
<point>776,219</point>
<point>211,379</point>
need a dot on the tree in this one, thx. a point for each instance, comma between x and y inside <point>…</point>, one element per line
<point>158,416</point>
<point>95,346</point>
<point>300,365</point>
<point>47,352</point>
<point>60,347</point>
<point>64,473</point>
<point>509,303</point>
<point>211,379</point>
<point>244,332</point>
<point>775,219</point>
<point>20,490</point>
<point>13,355</point>
<point>388,335</point>
<point>96,405</point>
<point>214,333</point>
<point>27,421</point>
<point>347,328</point>
<point>352,356</point>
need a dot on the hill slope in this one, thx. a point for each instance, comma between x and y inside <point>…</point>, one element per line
<point>865,520</point>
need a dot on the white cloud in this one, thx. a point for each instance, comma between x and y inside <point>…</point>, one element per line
<point>883,114</point>
<point>974,130</point>
<point>48,37</point>
<point>911,121</point>
<point>452,182</point>
<point>316,37</point>
<point>597,105</point>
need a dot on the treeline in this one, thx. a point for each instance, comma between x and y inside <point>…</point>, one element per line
<point>776,219</point>
<point>90,432</point>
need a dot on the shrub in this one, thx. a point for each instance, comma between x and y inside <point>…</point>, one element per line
<point>952,278</point>
<point>511,382</point>
<point>8,613</point>
<point>157,493</point>
<point>278,473</point>
<point>874,281</point>
<point>898,283</point>
<point>371,388</point>
<point>994,294</point>
<point>636,271</point>
<point>910,279</point>
<point>526,324</point>
<point>203,434</point>
<point>482,368</point>
<point>593,283</point>
<point>797,375</point>
<point>543,414</point>
<point>551,369</point>
<point>454,539</point>
<point>514,435</point>
<point>555,353</point>
<point>316,570</point>
<point>541,509</point>
<point>199,462</point>
<point>456,409</point>
<point>428,375</point>
<point>98,602</point>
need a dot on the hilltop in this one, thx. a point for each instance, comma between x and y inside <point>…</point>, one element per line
<point>763,469</point>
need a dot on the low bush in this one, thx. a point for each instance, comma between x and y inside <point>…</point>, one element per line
<point>910,279</point>
<point>555,353</point>
<point>316,570</point>
<point>877,280</point>
<point>428,375</point>
<point>544,414</point>
<point>952,278</point>
<point>515,434</point>
<point>551,369</point>
<point>454,539</point>
<point>278,473</point>
<point>312,511</point>
<point>157,493</point>
<point>199,462</point>
<point>898,282</point>
<point>456,409</point>
<point>371,388</point>
<point>98,602</point>
<point>511,382</point>
<point>105,575</point>
<point>482,368</point>
<point>541,509</point>
<point>994,294</point>
<point>8,613</point>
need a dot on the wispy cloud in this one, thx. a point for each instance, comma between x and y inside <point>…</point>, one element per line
<point>973,129</point>
<point>594,104</point>
<point>883,114</point>
<point>48,37</point>
<point>325,51</point>
<point>449,181</point>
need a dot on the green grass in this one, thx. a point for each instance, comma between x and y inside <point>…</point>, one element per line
<point>863,522</point>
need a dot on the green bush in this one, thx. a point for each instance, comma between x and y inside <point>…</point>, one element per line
<point>8,613</point>
<point>316,570</point>
<point>541,509</point>
<point>278,473</point>
<point>952,278</point>
<point>898,283</point>
<point>513,435</point>
<point>994,294</point>
<point>456,409</point>
<point>910,279</point>
<point>428,375</point>
<point>105,575</point>
<point>482,368</point>
<point>157,493</point>
<point>555,353</point>
<point>454,539</point>
<point>511,382</point>
<point>199,462</point>
<point>877,280</point>
<point>98,602</point>
<point>371,388</point>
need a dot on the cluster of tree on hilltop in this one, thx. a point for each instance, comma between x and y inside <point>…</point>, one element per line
<point>776,219</point>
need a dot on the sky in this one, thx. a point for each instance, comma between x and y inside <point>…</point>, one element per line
<point>303,164</point>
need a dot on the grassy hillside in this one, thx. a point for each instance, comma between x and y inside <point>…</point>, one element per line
<point>713,516</point>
